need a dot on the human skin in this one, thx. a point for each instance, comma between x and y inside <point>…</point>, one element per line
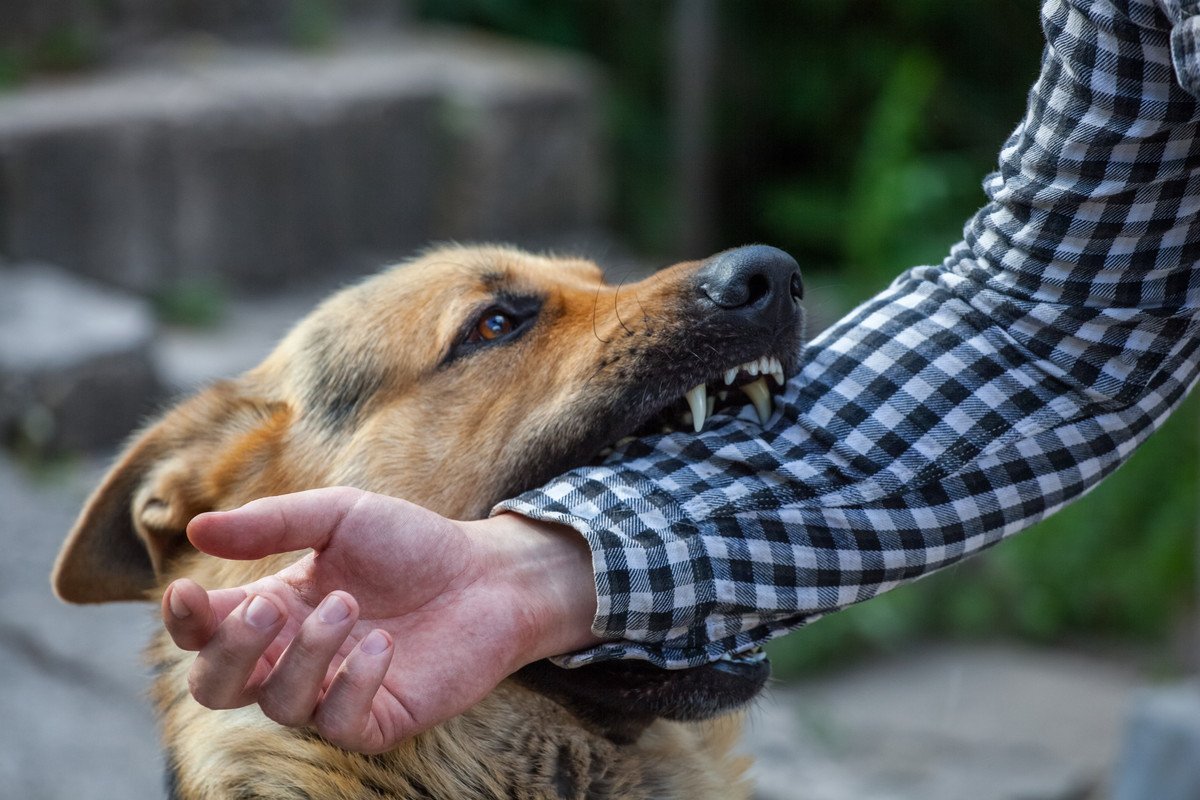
<point>409,618</point>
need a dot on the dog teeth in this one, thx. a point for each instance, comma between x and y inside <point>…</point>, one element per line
<point>697,398</point>
<point>760,396</point>
<point>764,365</point>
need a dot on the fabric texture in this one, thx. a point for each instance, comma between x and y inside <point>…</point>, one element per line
<point>964,403</point>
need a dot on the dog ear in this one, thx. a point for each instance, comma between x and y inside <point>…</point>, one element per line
<point>135,523</point>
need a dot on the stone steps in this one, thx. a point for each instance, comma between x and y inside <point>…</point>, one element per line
<point>265,168</point>
<point>76,361</point>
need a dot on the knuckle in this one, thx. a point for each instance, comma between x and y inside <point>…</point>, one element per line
<point>357,684</point>
<point>280,712</point>
<point>334,730</point>
<point>204,693</point>
<point>307,650</point>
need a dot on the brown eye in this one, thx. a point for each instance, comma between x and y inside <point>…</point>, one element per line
<point>494,325</point>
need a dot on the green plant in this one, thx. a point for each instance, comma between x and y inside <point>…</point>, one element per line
<point>195,303</point>
<point>14,67</point>
<point>311,24</point>
<point>67,48</point>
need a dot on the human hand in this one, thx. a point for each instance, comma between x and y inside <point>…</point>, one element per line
<point>417,617</point>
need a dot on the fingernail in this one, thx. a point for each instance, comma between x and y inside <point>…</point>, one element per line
<point>261,613</point>
<point>178,608</point>
<point>333,610</point>
<point>375,643</point>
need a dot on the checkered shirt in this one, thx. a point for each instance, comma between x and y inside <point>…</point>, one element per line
<point>962,404</point>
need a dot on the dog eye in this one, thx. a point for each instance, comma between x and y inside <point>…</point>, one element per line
<point>510,318</point>
<point>492,325</point>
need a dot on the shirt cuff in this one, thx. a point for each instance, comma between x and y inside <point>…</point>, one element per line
<point>1185,42</point>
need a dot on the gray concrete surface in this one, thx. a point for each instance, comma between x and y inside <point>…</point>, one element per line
<point>947,722</point>
<point>75,721</point>
<point>75,360</point>
<point>269,168</point>
<point>105,27</point>
<point>1160,758</point>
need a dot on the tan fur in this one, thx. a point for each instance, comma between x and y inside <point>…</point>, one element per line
<point>360,393</point>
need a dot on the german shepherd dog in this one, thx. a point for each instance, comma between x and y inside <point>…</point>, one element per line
<point>492,370</point>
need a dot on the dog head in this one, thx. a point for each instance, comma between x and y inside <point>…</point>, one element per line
<point>456,380</point>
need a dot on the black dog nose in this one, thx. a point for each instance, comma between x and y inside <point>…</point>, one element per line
<point>759,282</point>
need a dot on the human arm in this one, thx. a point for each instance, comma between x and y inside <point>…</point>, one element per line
<point>962,404</point>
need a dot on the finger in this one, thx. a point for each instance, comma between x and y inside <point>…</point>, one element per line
<point>191,615</point>
<point>290,693</point>
<point>344,715</point>
<point>273,524</point>
<point>188,615</point>
<point>221,676</point>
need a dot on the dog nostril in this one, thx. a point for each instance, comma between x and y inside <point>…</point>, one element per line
<point>797,286</point>
<point>757,287</point>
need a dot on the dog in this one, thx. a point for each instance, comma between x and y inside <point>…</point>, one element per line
<point>494,370</point>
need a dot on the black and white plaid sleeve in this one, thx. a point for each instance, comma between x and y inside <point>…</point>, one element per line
<point>961,405</point>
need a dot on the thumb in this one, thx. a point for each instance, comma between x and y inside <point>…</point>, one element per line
<point>274,524</point>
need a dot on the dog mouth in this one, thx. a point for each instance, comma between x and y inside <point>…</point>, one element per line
<point>619,699</point>
<point>705,399</point>
<point>734,678</point>
<point>755,382</point>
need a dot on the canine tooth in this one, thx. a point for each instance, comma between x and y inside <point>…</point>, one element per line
<point>730,374</point>
<point>777,371</point>
<point>760,396</point>
<point>697,398</point>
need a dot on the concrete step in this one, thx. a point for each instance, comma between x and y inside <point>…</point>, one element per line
<point>33,25</point>
<point>76,366</point>
<point>268,168</point>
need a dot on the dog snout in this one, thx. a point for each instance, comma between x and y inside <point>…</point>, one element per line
<point>759,283</point>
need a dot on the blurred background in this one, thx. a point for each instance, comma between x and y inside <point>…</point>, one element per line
<point>180,181</point>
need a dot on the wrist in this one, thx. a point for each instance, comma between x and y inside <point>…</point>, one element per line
<point>544,573</point>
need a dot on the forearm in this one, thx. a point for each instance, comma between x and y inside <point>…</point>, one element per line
<point>964,403</point>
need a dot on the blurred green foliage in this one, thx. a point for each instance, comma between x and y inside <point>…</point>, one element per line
<point>311,24</point>
<point>64,48</point>
<point>855,135</point>
<point>193,303</point>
